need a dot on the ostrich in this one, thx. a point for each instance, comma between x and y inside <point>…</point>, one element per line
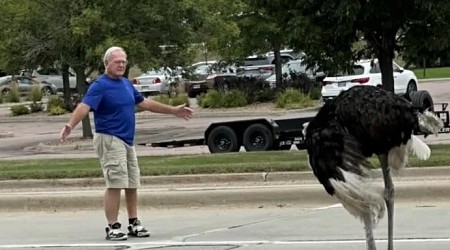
<point>360,122</point>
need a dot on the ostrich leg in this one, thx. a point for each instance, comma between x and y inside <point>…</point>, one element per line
<point>389,198</point>
<point>368,226</point>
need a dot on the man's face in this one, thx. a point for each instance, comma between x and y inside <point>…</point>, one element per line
<point>116,64</point>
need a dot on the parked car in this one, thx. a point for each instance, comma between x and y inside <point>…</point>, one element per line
<point>297,67</point>
<point>25,85</point>
<point>53,76</point>
<point>207,76</point>
<point>367,72</point>
<point>152,83</point>
<point>261,66</point>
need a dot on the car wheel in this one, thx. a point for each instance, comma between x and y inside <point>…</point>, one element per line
<point>6,92</point>
<point>46,91</point>
<point>412,87</point>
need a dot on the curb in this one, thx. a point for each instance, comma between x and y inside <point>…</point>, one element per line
<point>250,189</point>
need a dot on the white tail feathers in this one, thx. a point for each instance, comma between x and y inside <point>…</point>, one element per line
<point>419,148</point>
<point>429,123</point>
<point>359,197</point>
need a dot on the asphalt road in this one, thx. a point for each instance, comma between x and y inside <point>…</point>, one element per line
<point>417,227</point>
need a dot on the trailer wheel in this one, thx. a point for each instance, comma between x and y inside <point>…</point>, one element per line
<point>258,137</point>
<point>422,99</point>
<point>222,139</point>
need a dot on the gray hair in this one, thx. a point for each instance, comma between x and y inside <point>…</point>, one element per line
<point>110,51</point>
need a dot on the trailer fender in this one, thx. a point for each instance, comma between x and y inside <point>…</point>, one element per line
<point>258,137</point>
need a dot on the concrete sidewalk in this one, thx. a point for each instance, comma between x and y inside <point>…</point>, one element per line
<point>279,189</point>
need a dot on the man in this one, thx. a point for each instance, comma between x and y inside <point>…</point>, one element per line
<point>112,99</point>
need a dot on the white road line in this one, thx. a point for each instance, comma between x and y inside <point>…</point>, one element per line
<point>220,243</point>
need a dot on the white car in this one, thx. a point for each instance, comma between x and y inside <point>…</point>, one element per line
<point>152,83</point>
<point>367,72</point>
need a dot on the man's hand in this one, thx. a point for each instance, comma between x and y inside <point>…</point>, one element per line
<point>65,132</point>
<point>183,112</point>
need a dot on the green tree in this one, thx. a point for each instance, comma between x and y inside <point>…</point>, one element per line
<point>328,30</point>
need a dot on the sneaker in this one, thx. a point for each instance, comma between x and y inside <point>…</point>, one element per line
<point>137,230</point>
<point>113,232</point>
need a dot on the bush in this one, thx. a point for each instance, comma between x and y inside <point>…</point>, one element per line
<point>1,98</point>
<point>212,99</point>
<point>293,99</point>
<point>56,110</point>
<point>35,94</point>
<point>180,99</point>
<point>162,99</point>
<point>55,102</point>
<point>36,107</point>
<point>13,95</point>
<point>19,110</point>
<point>233,99</point>
<point>315,93</point>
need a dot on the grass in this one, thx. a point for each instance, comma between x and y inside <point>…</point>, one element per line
<point>432,73</point>
<point>272,161</point>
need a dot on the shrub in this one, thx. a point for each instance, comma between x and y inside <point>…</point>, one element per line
<point>315,93</point>
<point>162,99</point>
<point>233,99</point>
<point>212,99</point>
<point>17,110</point>
<point>13,95</point>
<point>36,107</point>
<point>293,99</point>
<point>56,110</point>
<point>35,94</point>
<point>1,98</point>
<point>55,101</point>
<point>180,99</point>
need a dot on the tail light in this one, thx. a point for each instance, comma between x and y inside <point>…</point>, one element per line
<point>136,82</point>
<point>361,80</point>
<point>157,80</point>
<point>324,83</point>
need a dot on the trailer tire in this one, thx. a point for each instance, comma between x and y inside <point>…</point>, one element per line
<point>258,137</point>
<point>222,139</point>
<point>422,99</point>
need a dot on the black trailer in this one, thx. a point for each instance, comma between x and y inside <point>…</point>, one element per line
<point>263,134</point>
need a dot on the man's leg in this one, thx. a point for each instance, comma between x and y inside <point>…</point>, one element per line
<point>135,228</point>
<point>112,155</point>
<point>131,199</point>
<point>112,204</point>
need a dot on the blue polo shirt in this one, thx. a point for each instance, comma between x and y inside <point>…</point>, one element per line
<point>113,102</point>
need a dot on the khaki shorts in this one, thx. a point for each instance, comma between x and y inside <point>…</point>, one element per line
<point>118,160</point>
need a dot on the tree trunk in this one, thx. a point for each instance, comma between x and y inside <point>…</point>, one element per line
<point>276,51</point>
<point>82,88</point>
<point>385,57</point>
<point>66,87</point>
